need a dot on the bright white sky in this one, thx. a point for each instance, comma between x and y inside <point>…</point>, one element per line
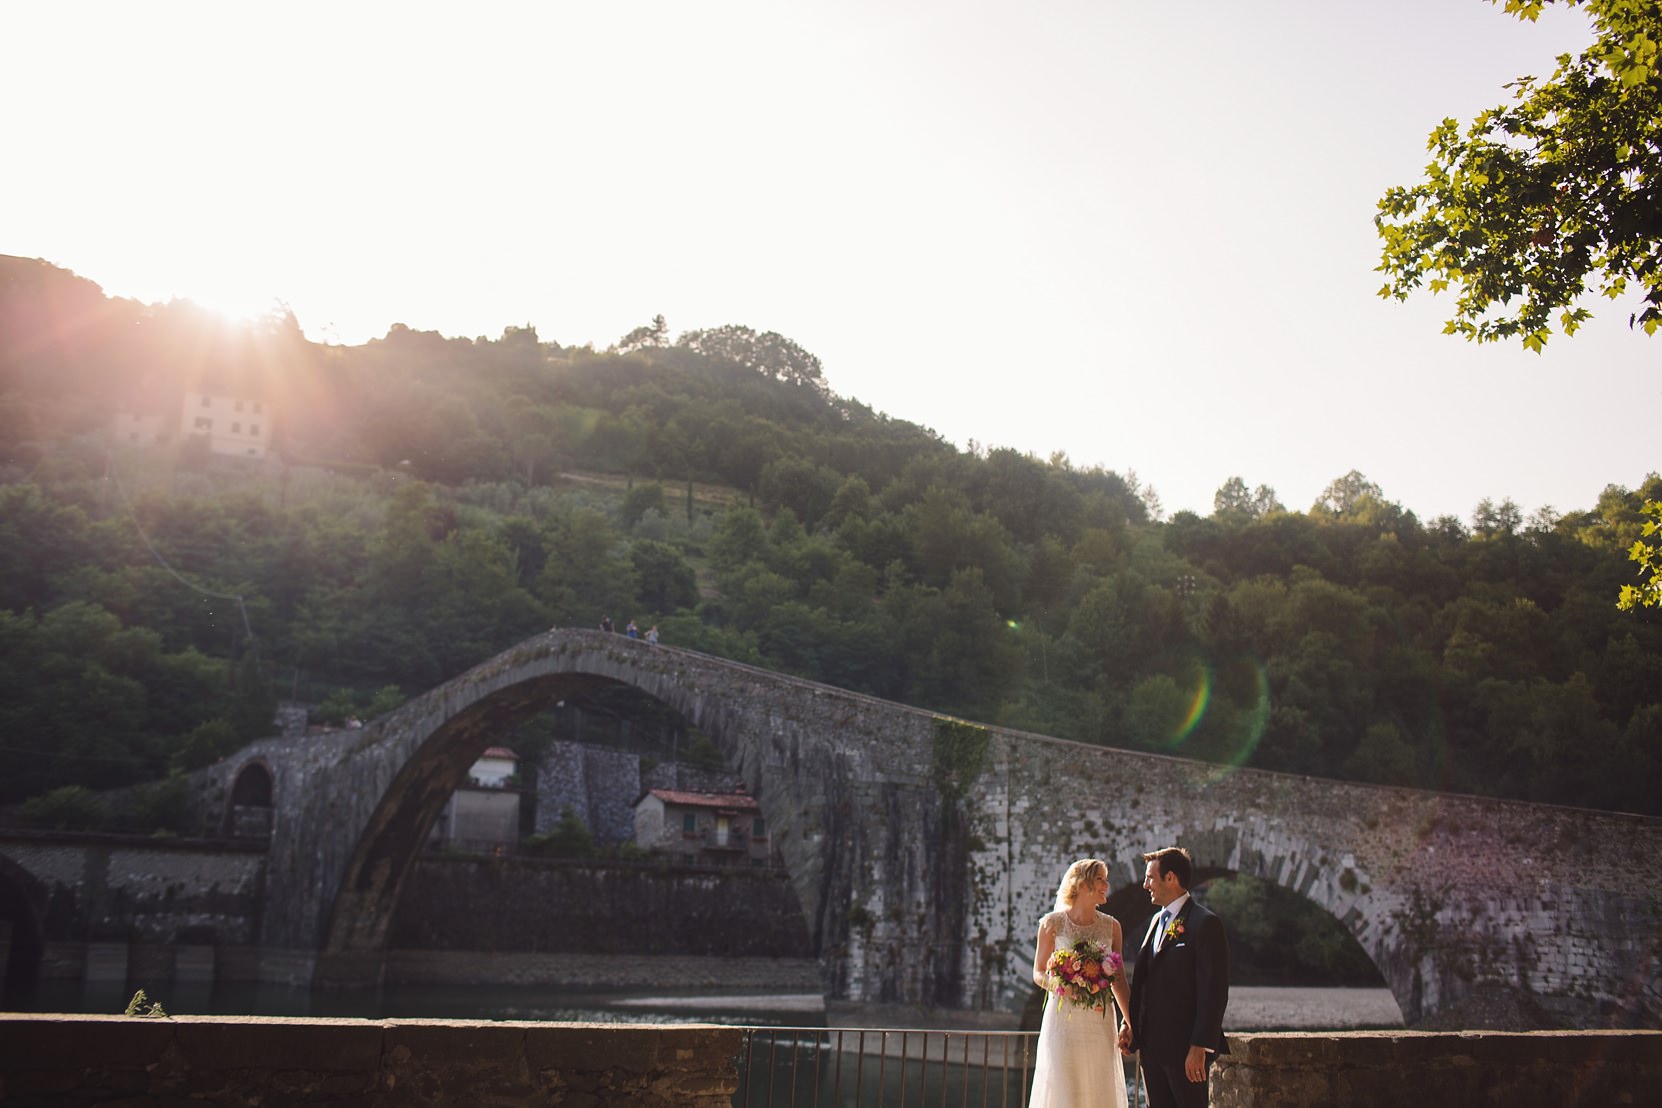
<point>1137,233</point>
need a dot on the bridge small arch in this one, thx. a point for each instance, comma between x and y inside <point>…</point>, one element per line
<point>1129,903</point>
<point>248,806</point>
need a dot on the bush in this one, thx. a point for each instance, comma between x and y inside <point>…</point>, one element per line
<point>570,838</point>
<point>206,744</point>
<point>164,806</point>
<point>70,808</point>
<point>337,706</point>
<point>386,699</point>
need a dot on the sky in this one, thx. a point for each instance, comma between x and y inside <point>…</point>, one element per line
<point>1137,234</point>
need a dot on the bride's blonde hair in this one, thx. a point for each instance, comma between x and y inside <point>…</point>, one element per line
<point>1086,869</point>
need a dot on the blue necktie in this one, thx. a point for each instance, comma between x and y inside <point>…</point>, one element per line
<point>1160,932</point>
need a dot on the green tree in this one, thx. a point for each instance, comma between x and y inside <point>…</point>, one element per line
<point>1349,495</point>
<point>1536,197</point>
<point>769,353</point>
<point>645,497</point>
<point>1233,501</point>
<point>664,580</point>
<point>648,336</point>
<point>1647,552</point>
<point>585,577</point>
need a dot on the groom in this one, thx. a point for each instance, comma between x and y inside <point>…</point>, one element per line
<point>1179,988</point>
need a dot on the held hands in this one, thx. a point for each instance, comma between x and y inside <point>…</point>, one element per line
<point>1125,1039</point>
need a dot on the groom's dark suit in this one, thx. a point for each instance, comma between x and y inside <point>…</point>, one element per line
<point>1177,1001</point>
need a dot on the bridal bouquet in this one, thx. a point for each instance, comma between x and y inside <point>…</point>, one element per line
<point>1080,976</point>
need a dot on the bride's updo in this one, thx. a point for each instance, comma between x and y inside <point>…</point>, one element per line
<point>1086,869</point>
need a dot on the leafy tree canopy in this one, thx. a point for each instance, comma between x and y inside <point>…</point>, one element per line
<point>769,353</point>
<point>1535,198</point>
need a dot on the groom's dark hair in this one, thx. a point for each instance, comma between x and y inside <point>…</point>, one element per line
<point>1173,859</point>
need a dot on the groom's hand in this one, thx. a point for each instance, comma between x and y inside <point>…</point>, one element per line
<point>1194,1065</point>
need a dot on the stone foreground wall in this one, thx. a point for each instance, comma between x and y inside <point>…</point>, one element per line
<point>52,1060</point>
<point>1431,1070</point>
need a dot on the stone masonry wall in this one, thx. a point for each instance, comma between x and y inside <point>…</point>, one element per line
<point>153,891</point>
<point>1389,1069</point>
<point>601,786</point>
<point>536,905</point>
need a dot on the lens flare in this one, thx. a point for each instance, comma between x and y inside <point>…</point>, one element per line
<point>1241,712</point>
<point>1198,702</point>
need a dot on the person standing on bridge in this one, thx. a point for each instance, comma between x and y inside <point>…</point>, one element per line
<point>1179,988</point>
<point>1077,961</point>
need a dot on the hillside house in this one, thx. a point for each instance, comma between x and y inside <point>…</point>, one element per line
<point>235,426</point>
<point>723,829</point>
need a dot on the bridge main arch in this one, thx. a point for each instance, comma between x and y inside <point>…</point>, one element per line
<point>806,752</point>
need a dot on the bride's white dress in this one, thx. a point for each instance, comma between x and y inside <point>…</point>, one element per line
<point>1079,1063</point>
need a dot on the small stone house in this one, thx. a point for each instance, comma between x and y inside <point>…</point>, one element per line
<point>494,767</point>
<point>482,815</point>
<point>724,829</point>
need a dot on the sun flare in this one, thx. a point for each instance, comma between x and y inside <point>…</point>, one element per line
<point>235,304</point>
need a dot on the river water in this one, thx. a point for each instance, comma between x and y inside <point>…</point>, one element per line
<point>1250,1008</point>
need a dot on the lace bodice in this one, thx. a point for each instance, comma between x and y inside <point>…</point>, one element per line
<point>1068,933</point>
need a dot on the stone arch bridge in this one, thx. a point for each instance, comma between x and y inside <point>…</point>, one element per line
<point>924,849</point>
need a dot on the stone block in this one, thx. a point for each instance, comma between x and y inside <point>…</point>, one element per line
<point>456,1042</point>
<point>44,1042</point>
<point>252,1042</point>
<point>1434,1070</point>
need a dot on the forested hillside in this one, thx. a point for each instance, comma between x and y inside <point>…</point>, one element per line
<point>433,500</point>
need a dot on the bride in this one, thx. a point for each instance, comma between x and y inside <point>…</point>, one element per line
<point>1078,1062</point>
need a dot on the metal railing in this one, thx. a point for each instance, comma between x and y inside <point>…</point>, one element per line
<point>850,1067</point>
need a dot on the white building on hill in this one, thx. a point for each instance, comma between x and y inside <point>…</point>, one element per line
<point>235,426</point>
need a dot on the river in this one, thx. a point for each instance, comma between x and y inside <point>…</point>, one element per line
<point>1251,1008</point>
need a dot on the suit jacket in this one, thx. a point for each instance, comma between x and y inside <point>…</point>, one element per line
<point>1178,996</point>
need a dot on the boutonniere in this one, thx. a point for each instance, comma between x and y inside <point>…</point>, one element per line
<point>1174,930</point>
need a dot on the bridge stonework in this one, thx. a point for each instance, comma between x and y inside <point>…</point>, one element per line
<point>923,850</point>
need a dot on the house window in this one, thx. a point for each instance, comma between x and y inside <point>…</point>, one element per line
<point>204,424</point>
<point>758,829</point>
<point>257,408</point>
<point>253,428</point>
<point>689,824</point>
<point>239,405</point>
<point>207,401</point>
<point>236,428</point>
<point>132,436</point>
